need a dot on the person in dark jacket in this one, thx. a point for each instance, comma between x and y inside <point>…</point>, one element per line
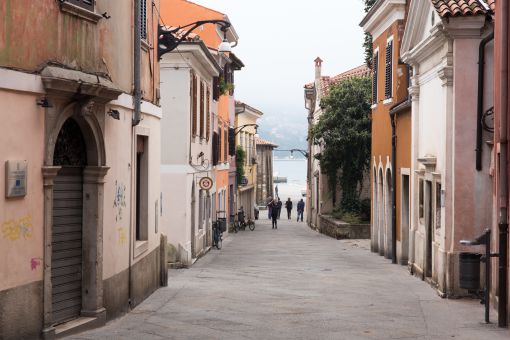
<point>288,206</point>
<point>274,213</point>
<point>279,206</point>
<point>300,209</point>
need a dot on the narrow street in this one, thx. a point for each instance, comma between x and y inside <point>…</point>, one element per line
<point>293,283</point>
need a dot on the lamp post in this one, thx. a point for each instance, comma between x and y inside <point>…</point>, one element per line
<point>303,152</point>
<point>168,41</point>
<point>240,128</point>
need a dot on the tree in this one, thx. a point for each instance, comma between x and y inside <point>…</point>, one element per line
<point>240,159</point>
<point>343,131</point>
<point>367,43</point>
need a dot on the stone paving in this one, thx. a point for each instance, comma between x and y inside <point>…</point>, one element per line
<point>293,283</point>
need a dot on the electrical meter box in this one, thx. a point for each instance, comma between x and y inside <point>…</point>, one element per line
<point>15,179</point>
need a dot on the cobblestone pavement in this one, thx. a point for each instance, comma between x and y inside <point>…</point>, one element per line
<point>293,283</point>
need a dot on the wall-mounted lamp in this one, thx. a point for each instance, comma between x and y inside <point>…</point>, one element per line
<point>240,128</point>
<point>114,114</point>
<point>43,102</point>
<point>167,41</point>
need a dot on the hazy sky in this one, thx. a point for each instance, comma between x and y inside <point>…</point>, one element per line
<point>278,41</point>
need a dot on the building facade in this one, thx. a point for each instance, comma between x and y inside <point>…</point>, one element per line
<point>80,236</point>
<point>450,163</point>
<point>187,127</point>
<point>319,198</point>
<point>265,183</point>
<point>391,132</point>
<point>245,125</point>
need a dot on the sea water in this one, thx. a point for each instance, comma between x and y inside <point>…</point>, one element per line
<point>295,171</point>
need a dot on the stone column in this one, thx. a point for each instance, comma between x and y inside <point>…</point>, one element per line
<point>93,203</point>
<point>49,173</point>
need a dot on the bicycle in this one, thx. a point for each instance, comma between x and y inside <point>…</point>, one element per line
<point>234,224</point>
<point>242,224</point>
<point>217,235</point>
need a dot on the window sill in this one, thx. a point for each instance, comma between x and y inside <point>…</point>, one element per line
<point>388,101</point>
<point>141,247</point>
<point>80,12</point>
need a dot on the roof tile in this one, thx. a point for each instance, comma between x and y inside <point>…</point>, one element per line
<point>453,8</point>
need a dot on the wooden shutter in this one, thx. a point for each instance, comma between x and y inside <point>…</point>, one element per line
<point>215,148</point>
<point>143,19</point>
<point>202,110</point>
<point>208,115</point>
<point>194,105</point>
<point>231,142</point>
<point>216,88</point>
<point>389,71</point>
<point>225,143</point>
<point>375,70</point>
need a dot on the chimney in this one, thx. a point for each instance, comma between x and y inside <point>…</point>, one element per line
<point>318,67</point>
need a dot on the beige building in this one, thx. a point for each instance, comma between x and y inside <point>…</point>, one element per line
<point>265,183</point>
<point>246,129</point>
<point>80,209</point>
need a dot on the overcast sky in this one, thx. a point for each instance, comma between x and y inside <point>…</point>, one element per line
<point>278,41</point>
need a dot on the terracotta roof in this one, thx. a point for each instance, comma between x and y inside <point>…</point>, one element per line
<point>492,4</point>
<point>453,8</point>
<point>260,141</point>
<point>191,37</point>
<point>326,81</point>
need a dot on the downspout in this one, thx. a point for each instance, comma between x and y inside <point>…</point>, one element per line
<point>503,173</point>
<point>137,64</point>
<point>393,188</point>
<point>479,113</point>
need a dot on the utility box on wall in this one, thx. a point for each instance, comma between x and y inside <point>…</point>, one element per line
<point>15,179</point>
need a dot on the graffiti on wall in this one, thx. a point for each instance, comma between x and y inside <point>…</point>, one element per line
<point>119,202</point>
<point>35,262</point>
<point>16,229</point>
<point>121,232</point>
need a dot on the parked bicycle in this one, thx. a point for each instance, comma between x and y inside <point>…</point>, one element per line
<point>234,224</point>
<point>243,223</point>
<point>217,235</point>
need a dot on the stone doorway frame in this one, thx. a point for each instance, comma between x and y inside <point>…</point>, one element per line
<point>85,103</point>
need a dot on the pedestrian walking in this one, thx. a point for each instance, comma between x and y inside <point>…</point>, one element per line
<point>288,206</point>
<point>274,213</point>
<point>269,200</point>
<point>300,209</point>
<point>279,207</point>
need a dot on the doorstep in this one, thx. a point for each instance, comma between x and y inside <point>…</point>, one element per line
<point>79,325</point>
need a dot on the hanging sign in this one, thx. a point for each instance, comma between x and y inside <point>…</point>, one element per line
<point>205,183</point>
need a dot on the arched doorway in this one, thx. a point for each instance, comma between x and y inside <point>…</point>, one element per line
<point>67,231</point>
<point>388,206</point>
<point>380,212</point>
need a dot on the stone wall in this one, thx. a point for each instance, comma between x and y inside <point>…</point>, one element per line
<point>341,230</point>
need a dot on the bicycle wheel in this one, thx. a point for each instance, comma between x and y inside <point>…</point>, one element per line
<point>219,242</point>
<point>251,225</point>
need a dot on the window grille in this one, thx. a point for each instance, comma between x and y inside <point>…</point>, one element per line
<point>375,67</point>
<point>143,19</point>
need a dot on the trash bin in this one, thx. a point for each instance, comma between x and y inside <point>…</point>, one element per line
<point>469,270</point>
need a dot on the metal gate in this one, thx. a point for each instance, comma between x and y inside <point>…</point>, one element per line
<point>66,263</point>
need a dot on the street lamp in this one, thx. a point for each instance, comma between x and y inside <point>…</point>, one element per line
<point>167,41</point>
<point>240,128</point>
<point>303,152</point>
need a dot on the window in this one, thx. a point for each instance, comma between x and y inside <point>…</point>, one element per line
<point>375,66</point>
<point>142,186</point>
<point>143,19</point>
<point>208,115</point>
<point>87,4</point>
<point>194,104</point>
<point>202,110</point>
<point>215,148</point>
<point>231,141</point>
<point>389,70</point>
<point>421,188</point>
<point>216,88</point>
<point>438,205</point>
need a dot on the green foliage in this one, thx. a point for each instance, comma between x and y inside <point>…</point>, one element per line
<point>343,130</point>
<point>240,159</point>
<point>367,43</point>
<point>225,87</point>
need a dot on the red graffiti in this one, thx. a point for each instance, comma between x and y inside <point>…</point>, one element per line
<point>35,262</point>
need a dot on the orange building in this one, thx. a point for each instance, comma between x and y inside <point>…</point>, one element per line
<point>179,13</point>
<point>391,132</point>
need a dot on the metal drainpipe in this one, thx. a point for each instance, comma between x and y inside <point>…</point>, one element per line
<point>137,64</point>
<point>393,188</point>
<point>503,183</point>
<point>481,75</point>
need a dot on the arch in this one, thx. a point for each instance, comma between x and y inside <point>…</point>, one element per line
<point>83,114</point>
<point>380,211</point>
<point>388,207</point>
<point>375,224</point>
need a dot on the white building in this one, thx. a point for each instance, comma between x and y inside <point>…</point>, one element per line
<point>189,112</point>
